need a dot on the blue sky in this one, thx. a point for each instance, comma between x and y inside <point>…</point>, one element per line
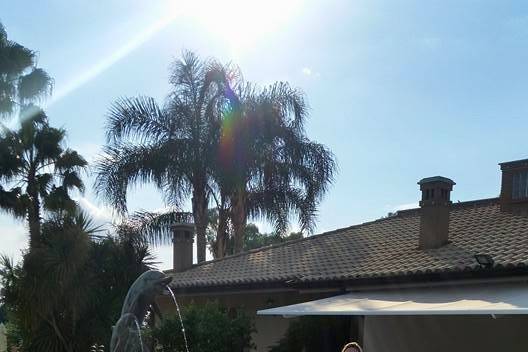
<point>399,90</point>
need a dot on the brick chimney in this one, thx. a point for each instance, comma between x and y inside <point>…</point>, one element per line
<point>434,215</point>
<point>514,187</point>
<point>183,238</point>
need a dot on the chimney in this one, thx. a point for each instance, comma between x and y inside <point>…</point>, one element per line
<point>514,187</point>
<point>182,240</point>
<point>434,215</point>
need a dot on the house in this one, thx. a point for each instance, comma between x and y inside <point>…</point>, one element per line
<point>444,276</point>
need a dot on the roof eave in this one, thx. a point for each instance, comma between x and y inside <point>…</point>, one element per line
<point>360,283</point>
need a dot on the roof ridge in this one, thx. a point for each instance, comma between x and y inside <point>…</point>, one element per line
<point>477,202</point>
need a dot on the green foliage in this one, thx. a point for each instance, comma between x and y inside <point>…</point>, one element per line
<point>270,169</point>
<point>253,238</point>
<point>13,336</point>
<point>21,81</point>
<point>315,334</point>
<point>221,142</point>
<point>157,225</point>
<point>68,291</point>
<point>172,147</point>
<point>37,170</point>
<point>209,327</point>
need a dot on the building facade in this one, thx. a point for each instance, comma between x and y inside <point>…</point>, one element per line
<point>439,244</point>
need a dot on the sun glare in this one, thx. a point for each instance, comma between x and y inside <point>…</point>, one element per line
<point>89,73</point>
<point>241,23</point>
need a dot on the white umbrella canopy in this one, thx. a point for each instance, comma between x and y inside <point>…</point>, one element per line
<point>484,299</point>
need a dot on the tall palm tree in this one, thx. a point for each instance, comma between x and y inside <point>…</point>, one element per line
<point>21,81</point>
<point>37,171</point>
<point>173,146</point>
<point>265,167</point>
<point>270,168</point>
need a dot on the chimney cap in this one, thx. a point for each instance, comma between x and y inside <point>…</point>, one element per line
<point>436,179</point>
<point>513,164</point>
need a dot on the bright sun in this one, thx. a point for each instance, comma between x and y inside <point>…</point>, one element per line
<point>240,22</point>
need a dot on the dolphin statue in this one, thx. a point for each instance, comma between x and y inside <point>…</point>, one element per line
<point>140,297</point>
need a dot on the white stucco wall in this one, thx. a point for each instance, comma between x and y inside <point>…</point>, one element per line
<point>446,333</point>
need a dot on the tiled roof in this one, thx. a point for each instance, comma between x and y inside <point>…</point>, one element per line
<point>383,248</point>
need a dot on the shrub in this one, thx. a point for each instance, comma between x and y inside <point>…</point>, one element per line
<point>68,291</point>
<point>208,327</point>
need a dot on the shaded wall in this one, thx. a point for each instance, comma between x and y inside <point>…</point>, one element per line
<point>446,333</point>
<point>383,334</point>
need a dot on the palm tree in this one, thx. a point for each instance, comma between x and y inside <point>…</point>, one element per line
<point>36,171</point>
<point>172,147</point>
<point>270,168</point>
<point>21,81</point>
<point>69,289</point>
<point>51,287</point>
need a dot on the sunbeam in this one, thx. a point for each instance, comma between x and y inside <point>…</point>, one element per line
<point>95,70</point>
<point>239,23</point>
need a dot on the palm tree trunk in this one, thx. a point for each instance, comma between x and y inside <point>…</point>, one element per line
<point>53,323</point>
<point>33,215</point>
<point>239,219</point>
<point>221,234</point>
<point>199,204</point>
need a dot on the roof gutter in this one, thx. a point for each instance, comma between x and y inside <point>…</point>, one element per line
<point>480,275</point>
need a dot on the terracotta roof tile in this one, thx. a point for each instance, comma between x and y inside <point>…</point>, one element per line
<point>382,248</point>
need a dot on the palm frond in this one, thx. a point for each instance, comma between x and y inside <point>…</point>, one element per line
<point>156,227</point>
<point>85,223</point>
<point>21,81</point>
<point>11,151</point>
<point>285,173</point>
<point>3,35</point>
<point>72,180</point>
<point>58,200</point>
<point>44,181</point>
<point>38,170</point>
<point>139,119</point>
<point>14,202</point>
<point>126,164</point>
<point>289,102</point>
<point>31,117</point>
<point>16,58</point>
<point>34,85</point>
<point>70,160</point>
<point>48,143</point>
<point>7,268</point>
<point>186,74</point>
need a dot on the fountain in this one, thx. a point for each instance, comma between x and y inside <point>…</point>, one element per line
<point>181,320</point>
<point>126,334</point>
